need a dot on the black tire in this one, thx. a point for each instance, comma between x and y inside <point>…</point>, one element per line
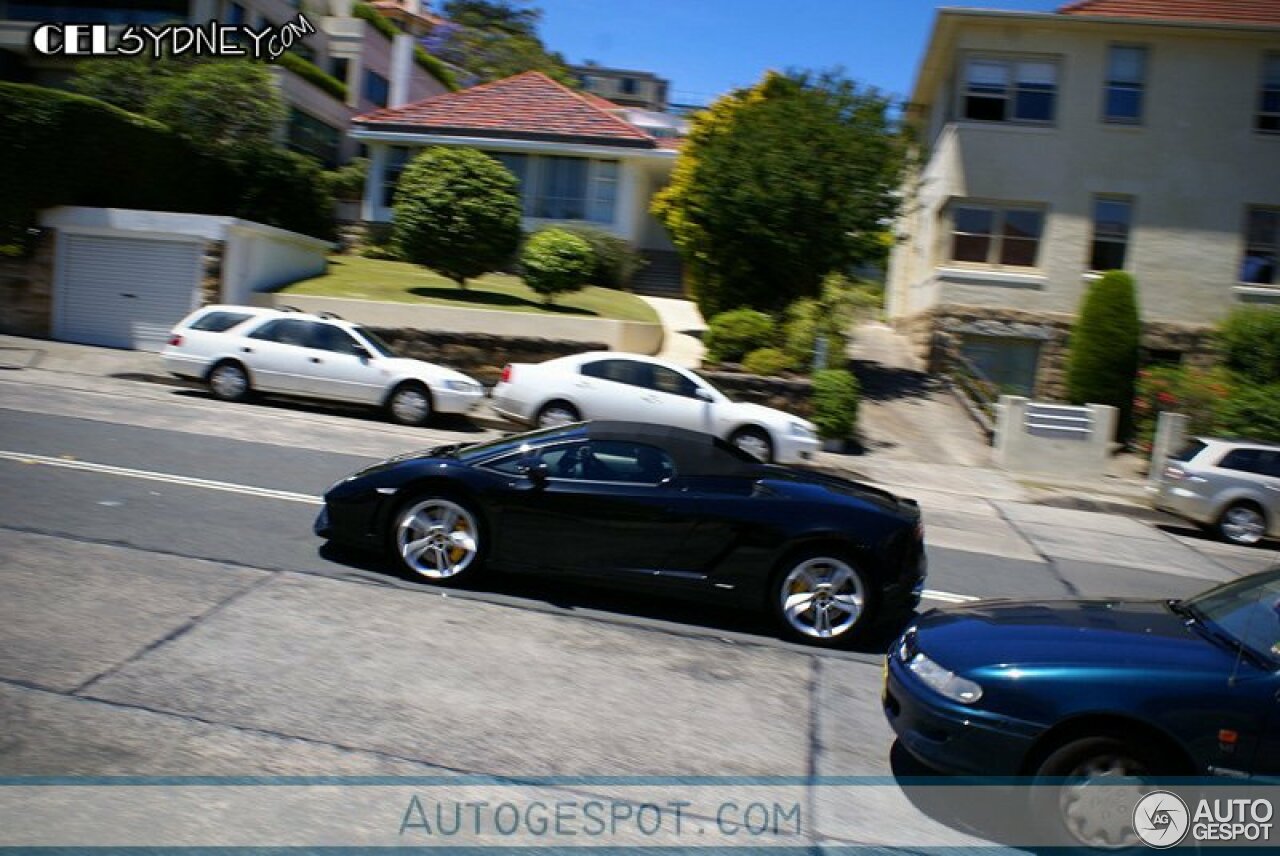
<point>410,404</point>
<point>755,442</point>
<point>558,412</point>
<point>1243,523</point>
<point>457,550</point>
<point>229,381</point>
<point>844,600</point>
<point>1076,814</point>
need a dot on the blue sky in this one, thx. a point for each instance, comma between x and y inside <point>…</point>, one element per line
<point>706,47</point>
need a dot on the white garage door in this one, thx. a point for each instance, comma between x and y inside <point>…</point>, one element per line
<point>124,292</point>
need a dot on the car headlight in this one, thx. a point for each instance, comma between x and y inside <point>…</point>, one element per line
<point>461,386</point>
<point>800,429</point>
<point>945,683</point>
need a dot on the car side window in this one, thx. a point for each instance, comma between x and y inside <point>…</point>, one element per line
<point>666,380</point>
<point>618,371</point>
<point>562,461</point>
<point>219,322</point>
<point>286,331</point>
<point>327,337</point>
<point>1243,460</point>
<point>620,461</point>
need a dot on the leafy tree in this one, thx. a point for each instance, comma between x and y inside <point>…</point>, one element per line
<point>780,184</point>
<point>1250,340</point>
<point>457,211</point>
<point>731,335</point>
<point>228,107</point>
<point>1102,366</point>
<point>554,261</point>
<point>493,39</point>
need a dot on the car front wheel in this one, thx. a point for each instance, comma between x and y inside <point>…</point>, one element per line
<point>754,442</point>
<point>229,381</point>
<point>438,538</point>
<point>1242,523</point>
<point>822,599</point>
<point>410,404</point>
<point>556,413</point>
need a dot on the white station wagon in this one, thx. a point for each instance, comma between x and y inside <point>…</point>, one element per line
<point>635,388</point>
<point>238,350</point>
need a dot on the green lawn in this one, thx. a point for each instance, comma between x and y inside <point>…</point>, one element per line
<point>371,279</point>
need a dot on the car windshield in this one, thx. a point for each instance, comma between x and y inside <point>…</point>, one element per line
<point>381,347</point>
<point>1247,610</point>
<point>512,442</point>
<point>1189,451</point>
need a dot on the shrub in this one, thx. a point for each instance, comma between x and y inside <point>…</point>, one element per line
<point>313,74</point>
<point>457,211</point>
<point>730,335</point>
<point>431,65</point>
<point>1102,365</point>
<point>767,361</point>
<point>555,261</point>
<point>347,182</point>
<point>835,403</point>
<point>616,261</point>
<point>1250,340</point>
<point>1194,392</point>
<point>1252,412</point>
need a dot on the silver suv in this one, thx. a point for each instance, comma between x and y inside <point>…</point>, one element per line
<point>1229,485</point>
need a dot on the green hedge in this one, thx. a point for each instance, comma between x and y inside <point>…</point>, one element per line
<point>1250,341</point>
<point>63,149</point>
<point>1102,366</point>
<point>616,261</point>
<point>767,362</point>
<point>835,403</point>
<point>431,65</point>
<point>730,335</point>
<point>313,74</point>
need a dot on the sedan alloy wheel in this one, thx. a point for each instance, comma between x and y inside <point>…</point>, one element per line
<point>438,539</point>
<point>1243,524</point>
<point>410,405</point>
<point>822,598</point>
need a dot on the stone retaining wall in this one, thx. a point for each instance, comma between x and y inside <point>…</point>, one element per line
<point>26,291</point>
<point>794,395</point>
<point>479,355</point>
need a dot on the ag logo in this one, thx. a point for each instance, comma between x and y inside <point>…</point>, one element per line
<point>1161,819</point>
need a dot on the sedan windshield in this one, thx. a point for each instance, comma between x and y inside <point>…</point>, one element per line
<point>379,346</point>
<point>1247,610</point>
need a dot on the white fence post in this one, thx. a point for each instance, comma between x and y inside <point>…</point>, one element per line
<point>1171,433</point>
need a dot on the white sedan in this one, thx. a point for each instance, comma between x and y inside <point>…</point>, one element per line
<point>238,350</point>
<point>634,388</point>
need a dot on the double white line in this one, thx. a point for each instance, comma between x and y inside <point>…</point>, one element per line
<point>265,493</point>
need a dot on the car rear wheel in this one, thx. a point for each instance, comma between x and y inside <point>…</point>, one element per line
<point>822,598</point>
<point>555,413</point>
<point>410,404</point>
<point>1242,523</point>
<point>229,381</point>
<point>754,442</point>
<point>1076,789</point>
<point>438,538</point>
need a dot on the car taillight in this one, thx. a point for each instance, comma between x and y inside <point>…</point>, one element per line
<point>1173,472</point>
<point>175,340</point>
<point>506,373</point>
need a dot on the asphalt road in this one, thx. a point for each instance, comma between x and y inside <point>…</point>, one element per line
<point>165,610</point>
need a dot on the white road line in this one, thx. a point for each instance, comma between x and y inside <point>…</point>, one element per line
<point>266,493</point>
<point>168,478</point>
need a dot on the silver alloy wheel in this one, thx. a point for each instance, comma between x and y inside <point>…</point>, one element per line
<point>1243,524</point>
<point>556,414</point>
<point>228,381</point>
<point>437,538</point>
<point>822,597</point>
<point>1089,808</point>
<point>410,405</point>
<point>753,444</point>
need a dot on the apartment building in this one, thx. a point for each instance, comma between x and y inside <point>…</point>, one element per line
<point>1141,135</point>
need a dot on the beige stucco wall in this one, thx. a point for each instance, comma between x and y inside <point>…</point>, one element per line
<point>1192,167</point>
<point>635,337</point>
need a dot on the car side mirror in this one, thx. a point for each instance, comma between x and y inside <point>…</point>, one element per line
<point>362,352</point>
<point>704,394</point>
<point>537,473</point>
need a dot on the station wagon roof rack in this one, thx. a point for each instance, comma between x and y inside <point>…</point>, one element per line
<point>288,309</point>
<point>334,315</point>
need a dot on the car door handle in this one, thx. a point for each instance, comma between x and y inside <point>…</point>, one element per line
<point>127,294</point>
<point>316,360</point>
<point>652,399</point>
<point>247,350</point>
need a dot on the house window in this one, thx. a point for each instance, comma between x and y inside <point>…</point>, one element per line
<point>339,67</point>
<point>377,89</point>
<point>397,159</point>
<point>1126,74</point>
<point>235,16</point>
<point>1261,246</point>
<point>309,135</point>
<point>1004,90</point>
<point>628,85</point>
<point>1008,362</point>
<point>1111,220</point>
<point>561,192</point>
<point>604,191</point>
<point>996,236</point>
<point>1269,98</point>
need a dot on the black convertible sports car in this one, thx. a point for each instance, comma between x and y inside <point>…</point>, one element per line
<point>663,509</point>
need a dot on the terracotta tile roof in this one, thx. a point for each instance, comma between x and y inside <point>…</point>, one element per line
<point>527,106</point>
<point>1265,12</point>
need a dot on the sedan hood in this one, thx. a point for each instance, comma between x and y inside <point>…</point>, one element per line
<point>1142,634</point>
<point>425,371</point>
<point>780,419</point>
